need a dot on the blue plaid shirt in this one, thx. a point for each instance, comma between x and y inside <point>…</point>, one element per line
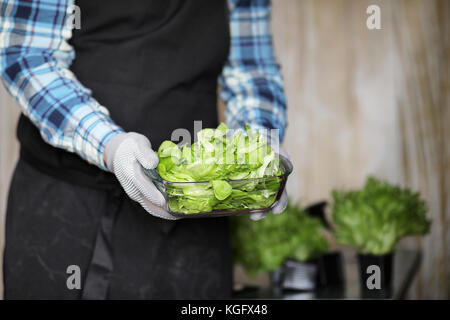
<point>36,56</point>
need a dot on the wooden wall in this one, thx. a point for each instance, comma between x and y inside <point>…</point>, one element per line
<point>371,102</point>
<point>360,102</point>
<point>9,150</point>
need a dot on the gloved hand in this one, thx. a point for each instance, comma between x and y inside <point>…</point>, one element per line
<point>125,155</point>
<point>281,203</point>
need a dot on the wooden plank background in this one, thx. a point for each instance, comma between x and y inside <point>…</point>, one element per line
<point>9,150</point>
<point>360,102</point>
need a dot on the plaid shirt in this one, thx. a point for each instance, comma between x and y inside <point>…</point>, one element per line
<point>36,56</point>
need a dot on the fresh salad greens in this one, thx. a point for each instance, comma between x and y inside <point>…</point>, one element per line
<point>264,245</point>
<point>375,217</point>
<point>220,172</point>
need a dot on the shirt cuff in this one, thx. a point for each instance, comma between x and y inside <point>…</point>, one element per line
<point>93,132</point>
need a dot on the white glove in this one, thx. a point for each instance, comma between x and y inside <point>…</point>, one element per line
<point>126,155</point>
<point>281,203</point>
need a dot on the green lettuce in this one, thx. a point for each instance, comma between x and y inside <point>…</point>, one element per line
<point>265,244</point>
<point>230,173</point>
<point>375,217</point>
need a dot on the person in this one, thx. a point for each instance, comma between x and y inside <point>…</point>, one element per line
<point>96,102</point>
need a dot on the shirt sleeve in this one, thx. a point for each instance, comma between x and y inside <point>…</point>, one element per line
<point>251,84</point>
<point>35,58</point>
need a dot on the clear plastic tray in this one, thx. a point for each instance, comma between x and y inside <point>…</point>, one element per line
<point>202,191</point>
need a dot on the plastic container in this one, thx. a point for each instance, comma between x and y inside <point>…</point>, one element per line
<point>202,191</point>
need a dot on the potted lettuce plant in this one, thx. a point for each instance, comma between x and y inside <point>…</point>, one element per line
<point>373,219</point>
<point>277,243</point>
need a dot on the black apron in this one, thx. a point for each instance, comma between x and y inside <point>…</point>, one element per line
<point>154,65</point>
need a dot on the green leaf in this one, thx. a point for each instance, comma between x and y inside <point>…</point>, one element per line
<point>222,189</point>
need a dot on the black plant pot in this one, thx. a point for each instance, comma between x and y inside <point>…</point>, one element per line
<point>374,284</point>
<point>331,270</point>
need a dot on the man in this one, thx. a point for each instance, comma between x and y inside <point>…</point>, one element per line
<point>92,101</point>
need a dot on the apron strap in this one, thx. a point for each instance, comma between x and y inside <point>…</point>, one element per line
<point>98,274</point>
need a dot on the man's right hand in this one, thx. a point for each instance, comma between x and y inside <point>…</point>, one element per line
<point>126,155</point>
